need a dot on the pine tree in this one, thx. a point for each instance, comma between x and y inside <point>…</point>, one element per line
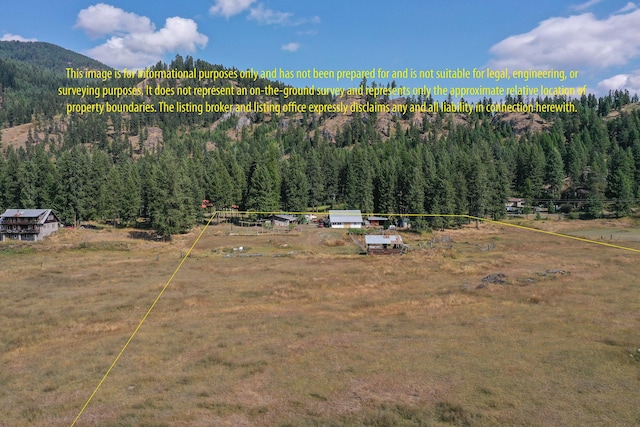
<point>171,209</point>
<point>477,186</point>
<point>262,192</point>
<point>359,181</point>
<point>386,183</point>
<point>295,186</point>
<point>131,200</point>
<point>620,184</point>
<point>112,192</point>
<point>27,182</point>
<point>315,178</point>
<point>554,173</point>
<point>11,184</point>
<point>71,200</point>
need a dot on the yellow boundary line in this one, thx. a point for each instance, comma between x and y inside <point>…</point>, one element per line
<point>553,233</point>
<point>213,215</point>
<point>506,224</point>
<point>141,322</point>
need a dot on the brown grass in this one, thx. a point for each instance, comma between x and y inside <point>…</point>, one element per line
<point>321,337</point>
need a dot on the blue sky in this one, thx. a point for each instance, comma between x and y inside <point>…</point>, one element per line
<point>600,38</point>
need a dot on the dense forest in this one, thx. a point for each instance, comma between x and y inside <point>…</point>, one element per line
<point>114,166</point>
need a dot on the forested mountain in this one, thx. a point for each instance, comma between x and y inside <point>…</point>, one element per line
<point>160,166</point>
<point>46,55</point>
<point>30,73</point>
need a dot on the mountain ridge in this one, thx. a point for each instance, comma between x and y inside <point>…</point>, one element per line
<point>48,55</point>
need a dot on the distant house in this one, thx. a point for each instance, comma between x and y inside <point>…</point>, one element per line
<point>27,224</point>
<point>376,221</point>
<point>514,204</point>
<point>284,220</point>
<point>345,219</point>
<point>384,244</point>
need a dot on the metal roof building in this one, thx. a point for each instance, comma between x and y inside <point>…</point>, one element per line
<point>345,219</point>
<point>386,239</point>
<point>384,243</point>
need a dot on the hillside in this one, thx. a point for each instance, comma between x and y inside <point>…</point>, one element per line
<point>46,55</point>
<point>155,168</point>
<point>30,73</point>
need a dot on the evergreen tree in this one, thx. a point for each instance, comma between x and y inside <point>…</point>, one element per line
<point>597,183</point>
<point>477,186</point>
<point>112,194</point>
<point>386,182</point>
<point>359,181</point>
<point>11,183</point>
<point>620,184</point>
<point>295,185</point>
<point>172,211</point>
<point>27,182</point>
<point>262,194</point>
<point>46,178</point>
<point>554,173</point>
<point>71,199</point>
<point>315,180</point>
<point>131,200</point>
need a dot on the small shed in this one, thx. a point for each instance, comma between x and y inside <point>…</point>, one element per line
<point>384,244</point>
<point>282,220</point>
<point>376,221</point>
<point>345,219</point>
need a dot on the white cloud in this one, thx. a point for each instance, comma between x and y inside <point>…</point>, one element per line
<point>134,41</point>
<point>585,5</point>
<point>628,7</point>
<point>102,19</point>
<point>291,47</point>
<point>258,13</point>
<point>572,42</point>
<point>268,16</point>
<point>630,82</point>
<point>228,8</point>
<point>14,37</point>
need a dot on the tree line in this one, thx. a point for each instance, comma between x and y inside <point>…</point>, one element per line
<point>90,170</point>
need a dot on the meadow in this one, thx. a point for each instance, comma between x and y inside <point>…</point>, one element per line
<point>488,326</point>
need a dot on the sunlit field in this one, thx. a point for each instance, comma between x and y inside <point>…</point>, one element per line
<point>487,326</point>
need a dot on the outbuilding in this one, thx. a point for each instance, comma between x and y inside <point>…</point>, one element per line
<point>384,243</point>
<point>376,221</point>
<point>345,219</point>
<point>282,220</point>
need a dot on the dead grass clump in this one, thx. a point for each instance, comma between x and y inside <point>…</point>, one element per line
<point>331,243</point>
<point>105,246</point>
<point>454,414</point>
<point>390,415</point>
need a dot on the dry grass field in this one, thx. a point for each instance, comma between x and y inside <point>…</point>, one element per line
<point>489,326</point>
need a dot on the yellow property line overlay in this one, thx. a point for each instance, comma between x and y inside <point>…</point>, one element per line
<point>553,233</point>
<point>164,288</point>
<point>506,224</point>
<point>214,214</point>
